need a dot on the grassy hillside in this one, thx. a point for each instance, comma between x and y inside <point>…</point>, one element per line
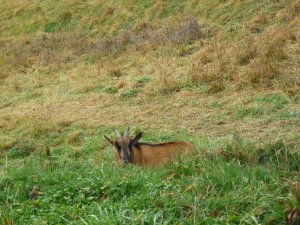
<point>224,75</point>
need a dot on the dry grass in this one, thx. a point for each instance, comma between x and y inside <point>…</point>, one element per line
<point>258,60</point>
<point>41,126</point>
<point>185,111</point>
<point>166,84</point>
<point>265,66</point>
<point>54,52</point>
<point>213,65</point>
<point>54,75</point>
<point>45,52</point>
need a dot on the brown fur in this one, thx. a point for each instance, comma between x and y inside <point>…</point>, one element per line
<point>144,154</point>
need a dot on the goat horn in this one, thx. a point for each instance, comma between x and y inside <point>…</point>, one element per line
<point>117,133</point>
<point>126,133</point>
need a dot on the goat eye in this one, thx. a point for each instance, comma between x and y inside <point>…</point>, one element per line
<point>117,146</point>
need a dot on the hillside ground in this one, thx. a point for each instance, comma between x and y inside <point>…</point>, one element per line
<point>224,75</point>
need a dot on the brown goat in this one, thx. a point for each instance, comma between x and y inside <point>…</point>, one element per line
<point>144,154</point>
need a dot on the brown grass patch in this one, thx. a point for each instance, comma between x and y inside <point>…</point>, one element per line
<point>257,61</point>
<point>59,51</point>
<point>265,55</point>
<point>42,127</point>
<point>213,65</point>
<point>166,84</point>
<point>45,51</point>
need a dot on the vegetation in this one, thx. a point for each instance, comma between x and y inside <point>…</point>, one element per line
<point>224,75</point>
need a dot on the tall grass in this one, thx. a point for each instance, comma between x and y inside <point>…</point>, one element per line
<point>200,189</point>
<point>225,181</point>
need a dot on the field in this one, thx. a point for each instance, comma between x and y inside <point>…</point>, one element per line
<point>222,74</point>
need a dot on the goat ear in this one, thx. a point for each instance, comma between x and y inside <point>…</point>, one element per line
<point>137,137</point>
<point>110,141</point>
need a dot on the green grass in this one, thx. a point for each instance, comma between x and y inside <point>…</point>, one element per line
<point>248,112</point>
<point>110,90</point>
<point>242,184</point>
<point>276,101</point>
<point>130,93</point>
<point>201,189</point>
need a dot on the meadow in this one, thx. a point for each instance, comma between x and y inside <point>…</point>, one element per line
<point>222,74</point>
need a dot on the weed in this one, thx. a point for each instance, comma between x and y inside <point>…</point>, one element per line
<point>129,93</point>
<point>59,24</point>
<point>277,101</point>
<point>91,59</point>
<point>290,115</point>
<point>250,112</point>
<point>141,81</point>
<point>216,105</point>
<point>21,149</point>
<point>110,89</point>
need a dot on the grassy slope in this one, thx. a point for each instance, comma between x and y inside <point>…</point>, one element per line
<point>234,93</point>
